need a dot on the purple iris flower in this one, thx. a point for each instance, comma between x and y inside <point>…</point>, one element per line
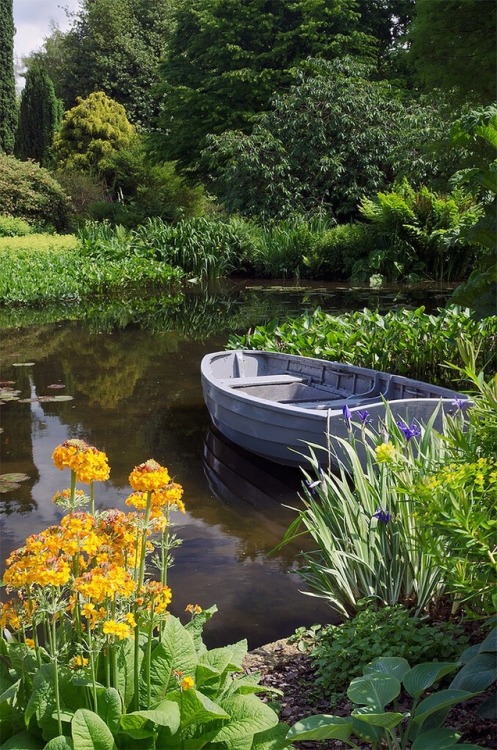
<point>384,516</point>
<point>363,416</point>
<point>409,431</point>
<point>459,403</point>
<point>347,414</point>
<point>312,485</point>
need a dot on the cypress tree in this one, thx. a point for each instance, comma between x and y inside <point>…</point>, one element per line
<point>8,106</point>
<point>39,117</point>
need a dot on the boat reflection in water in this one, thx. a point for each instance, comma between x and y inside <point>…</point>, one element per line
<point>262,498</point>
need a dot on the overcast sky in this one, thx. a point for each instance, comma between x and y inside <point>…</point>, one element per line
<point>32,20</point>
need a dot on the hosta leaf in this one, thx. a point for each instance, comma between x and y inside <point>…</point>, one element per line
<point>442,738</point>
<point>441,700</point>
<point>321,727</point>
<point>423,676</point>
<point>478,675</point>
<point>374,689</point>
<point>387,720</point>
<point>394,665</point>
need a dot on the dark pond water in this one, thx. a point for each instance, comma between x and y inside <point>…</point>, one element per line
<point>132,369</point>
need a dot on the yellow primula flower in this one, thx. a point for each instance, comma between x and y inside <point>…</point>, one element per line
<point>29,642</point>
<point>119,630</point>
<point>187,683</point>
<point>88,463</point>
<point>194,609</point>
<point>78,662</point>
<point>149,476</point>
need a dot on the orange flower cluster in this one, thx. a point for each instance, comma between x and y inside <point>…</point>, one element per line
<point>92,566</point>
<point>149,476</point>
<point>154,597</point>
<point>170,495</point>
<point>88,463</point>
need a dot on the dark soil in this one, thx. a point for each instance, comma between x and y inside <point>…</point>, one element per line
<point>282,666</point>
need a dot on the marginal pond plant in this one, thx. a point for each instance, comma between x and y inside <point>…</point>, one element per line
<point>90,656</point>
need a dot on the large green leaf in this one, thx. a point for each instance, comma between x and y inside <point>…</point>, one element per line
<point>196,708</point>
<point>423,676</point>
<point>22,741</point>
<point>443,738</point>
<point>374,689</point>
<point>109,707</point>
<point>247,716</point>
<point>60,743</point>
<point>125,669</point>
<point>394,665</point>
<point>321,727</point>
<point>271,739</point>
<point>478,674</point>
<point>387,720</point>
<point>89,732</point>
<point>438,701</point>
<point>167,714</point>
<point>176,651</point>
<point>42,701</point>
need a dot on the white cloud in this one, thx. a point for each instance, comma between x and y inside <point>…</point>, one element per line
<point>33,20</point>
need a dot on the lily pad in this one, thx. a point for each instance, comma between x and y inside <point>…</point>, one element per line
<point>14,476</point>
<point>48,399</point>
<point>8,486</point>
<point>9,394</point>
<point>28,400</point>
<point>23,364</point>
<point>56,385</point>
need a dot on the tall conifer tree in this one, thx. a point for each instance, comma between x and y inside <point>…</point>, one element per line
<point>39,117</point>
<point>8,107</point>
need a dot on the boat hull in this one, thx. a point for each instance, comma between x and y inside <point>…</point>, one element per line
<point>267,404</point>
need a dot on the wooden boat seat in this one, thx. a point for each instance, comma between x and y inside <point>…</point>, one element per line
<point>262,380</point>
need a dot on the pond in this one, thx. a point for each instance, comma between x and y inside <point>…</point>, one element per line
<point>132,370</point>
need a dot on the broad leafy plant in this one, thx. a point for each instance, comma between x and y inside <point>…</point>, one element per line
<point>339,653</point>
<point>379,716</point>
<point>407,342</point>
<point>90,656</point>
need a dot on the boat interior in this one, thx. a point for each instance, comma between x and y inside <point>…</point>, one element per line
<point>315,385</point>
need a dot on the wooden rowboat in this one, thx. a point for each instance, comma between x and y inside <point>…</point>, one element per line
<point>274,405</point>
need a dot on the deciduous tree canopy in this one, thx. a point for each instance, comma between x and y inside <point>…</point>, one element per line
<point>454,47</point>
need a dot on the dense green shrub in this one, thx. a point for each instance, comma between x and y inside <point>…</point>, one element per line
<point>340,652</point>
<point>91,132</point>
<point>29,192</point>
<point>12,226</point>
